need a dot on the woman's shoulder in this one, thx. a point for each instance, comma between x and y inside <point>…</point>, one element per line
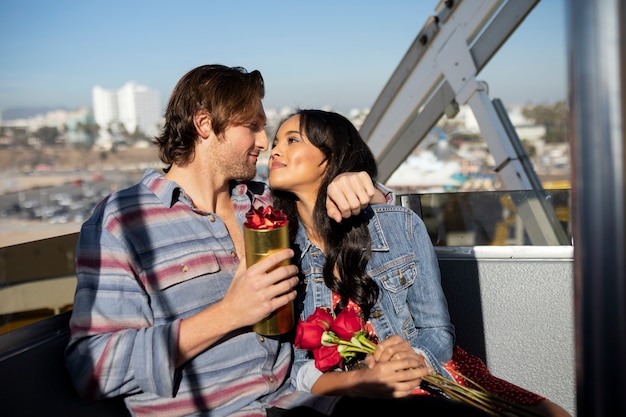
<point>393,218</point>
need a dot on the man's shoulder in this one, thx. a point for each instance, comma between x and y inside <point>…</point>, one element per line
<point>135,198</point>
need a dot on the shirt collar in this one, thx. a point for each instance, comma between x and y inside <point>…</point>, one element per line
<point>167,191</point>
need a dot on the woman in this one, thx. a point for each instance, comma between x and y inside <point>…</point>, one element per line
<point>380,263</point>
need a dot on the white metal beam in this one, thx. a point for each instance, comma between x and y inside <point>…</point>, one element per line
<point>418,92</point>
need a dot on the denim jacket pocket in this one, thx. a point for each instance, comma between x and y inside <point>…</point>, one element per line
<point>398,277</point>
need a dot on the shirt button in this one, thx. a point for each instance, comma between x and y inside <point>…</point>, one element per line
<point>211,218</point>
<point>261,339</point>
<point>233,254</point>
<point>184,268</point>
<point>270,379</point>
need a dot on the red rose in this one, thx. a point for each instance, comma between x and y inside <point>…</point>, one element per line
<point>265,218</point>
<point>347,324</point>
<point>308,335</point>
<point>321,317</point>
<point>327,358</point>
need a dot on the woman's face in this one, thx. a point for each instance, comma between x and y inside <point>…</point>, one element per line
<point>295,164</point>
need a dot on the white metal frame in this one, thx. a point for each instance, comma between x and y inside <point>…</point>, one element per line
<point>436,75</point>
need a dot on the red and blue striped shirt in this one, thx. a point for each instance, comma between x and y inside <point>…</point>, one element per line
<point>145,260</point>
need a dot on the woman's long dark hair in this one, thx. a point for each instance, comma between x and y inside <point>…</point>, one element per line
<point>348,244</point>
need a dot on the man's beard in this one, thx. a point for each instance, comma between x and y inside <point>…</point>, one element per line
<point>242,171</point>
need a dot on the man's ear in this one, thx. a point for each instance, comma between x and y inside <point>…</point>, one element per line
<point>202,122</point>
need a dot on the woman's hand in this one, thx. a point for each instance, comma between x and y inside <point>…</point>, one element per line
<point>395,378</point>
<point>396,348</point>
<point>393,371</point>
<point>407,367</point>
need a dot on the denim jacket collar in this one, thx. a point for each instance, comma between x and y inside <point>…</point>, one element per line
<point>379,242</point>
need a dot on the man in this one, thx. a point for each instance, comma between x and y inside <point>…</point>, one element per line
<point>164,304</point>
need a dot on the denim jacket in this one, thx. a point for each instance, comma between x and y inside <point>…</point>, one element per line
<point>411,302</point>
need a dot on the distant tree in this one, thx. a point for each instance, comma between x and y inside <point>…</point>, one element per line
<point>125,137</point>
<point>48,135</point>
<point>85,134</point>
<point>553,117</point>
<point>138,135</point>
<point>20,136</point>
<point>531,150</point>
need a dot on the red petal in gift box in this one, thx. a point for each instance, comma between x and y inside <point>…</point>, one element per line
<point>265,218</point>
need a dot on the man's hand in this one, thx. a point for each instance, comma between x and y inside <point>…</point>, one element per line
<point>262,288</point>
<point>253,294</point>
<point>349,193</point>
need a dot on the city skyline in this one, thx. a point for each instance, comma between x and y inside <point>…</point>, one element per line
<point>340,56</point>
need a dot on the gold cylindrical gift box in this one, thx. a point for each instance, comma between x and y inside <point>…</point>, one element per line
<point>259,244</point>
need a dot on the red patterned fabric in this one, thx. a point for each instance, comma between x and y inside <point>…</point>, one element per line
<point>474,368</point>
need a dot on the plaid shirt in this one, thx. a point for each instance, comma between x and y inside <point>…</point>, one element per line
<point>145,260</point>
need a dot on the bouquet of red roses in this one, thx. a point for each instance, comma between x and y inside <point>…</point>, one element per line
<point>335,341</point>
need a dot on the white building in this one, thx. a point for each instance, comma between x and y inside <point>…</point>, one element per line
<point>105,112</point>
<point>133,106</point>
<point>139,107</point>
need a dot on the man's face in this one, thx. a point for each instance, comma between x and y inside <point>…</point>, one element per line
<point>241,145</point>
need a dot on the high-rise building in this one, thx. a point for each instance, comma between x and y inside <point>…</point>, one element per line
<point>105,113</point>
<point>135,107</point>
<point>139,108</point>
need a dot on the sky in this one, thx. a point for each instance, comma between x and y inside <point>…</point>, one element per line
<point>311,54</point>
